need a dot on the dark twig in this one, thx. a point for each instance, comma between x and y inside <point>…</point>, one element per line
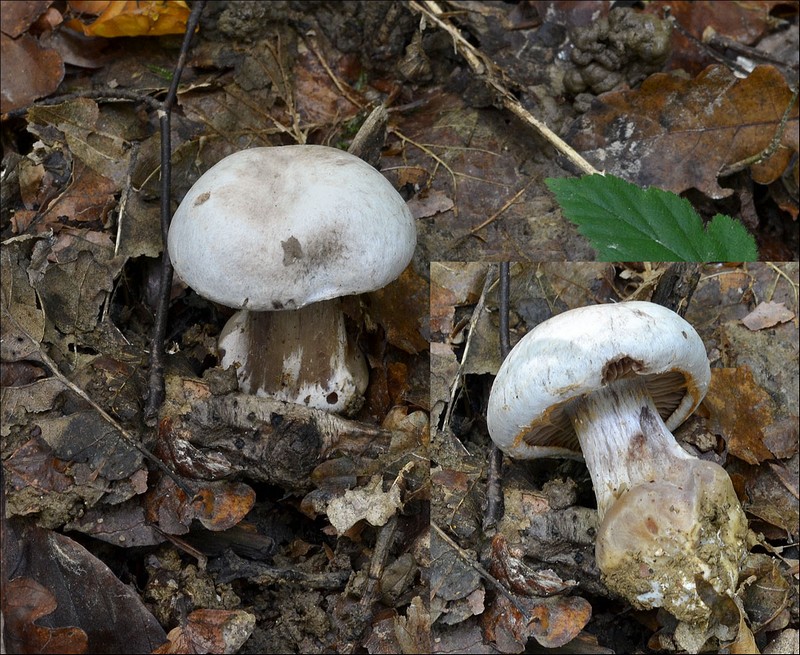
<point>505,281</point>
<point>155,394</point>
<point>494,492</point>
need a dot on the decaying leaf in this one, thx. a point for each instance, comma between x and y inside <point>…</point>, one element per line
<point>677,134</point>
<point>413,631</point>
<point>369,502</point>
<point>765,590</point>
<point>24,602</point>
<point>553,621</point>
<point>510,569</point>
<point>453,584</point>
<point>22,321</point>
<point>210,631</point>
<point>772,494</point>
<point>401,308</point>
<point>30,69</point>
<point>740,410</point>
<point>97,138</point>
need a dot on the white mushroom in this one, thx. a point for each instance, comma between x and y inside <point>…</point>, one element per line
<point>269,230</point>
<point>611,381</point>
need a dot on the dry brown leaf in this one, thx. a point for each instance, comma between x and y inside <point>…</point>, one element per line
<point>29,71</point>
<point>17,17</point>
<point>516,575</point>
<point>678,134</point>
<point>402,307</point>
<point>88,199</point>
<point>745,22</point>
<point>221,505</point>
<point>764,590</point>
<point>767,314</point>
<point>554,621</point>
<point>88,608</point>
<point>429,203</point>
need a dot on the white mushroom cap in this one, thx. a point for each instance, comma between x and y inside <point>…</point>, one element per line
<point>574,353</point>
<point>283,227</point>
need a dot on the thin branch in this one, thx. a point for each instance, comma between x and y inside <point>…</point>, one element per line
<point>494,490</point>
<point>129,438</point>
<point>465,556</point>
<point>105,93</point>
<point>155,395</point>
<point>484,68</point>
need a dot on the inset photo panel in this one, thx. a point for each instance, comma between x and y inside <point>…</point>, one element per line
<point>613,455</point>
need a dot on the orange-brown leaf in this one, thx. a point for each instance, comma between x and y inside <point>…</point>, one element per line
<point>740,410</point>
<point>136,18</point>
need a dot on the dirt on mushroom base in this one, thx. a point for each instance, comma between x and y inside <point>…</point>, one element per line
<point>712,547</point>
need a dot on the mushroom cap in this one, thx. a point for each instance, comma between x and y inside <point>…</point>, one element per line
<point>283,227</point>
<point>570,355</point>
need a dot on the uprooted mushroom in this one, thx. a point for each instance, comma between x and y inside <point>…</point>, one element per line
<point>611,382</point>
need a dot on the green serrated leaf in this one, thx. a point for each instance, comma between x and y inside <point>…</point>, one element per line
<point>623,221</point>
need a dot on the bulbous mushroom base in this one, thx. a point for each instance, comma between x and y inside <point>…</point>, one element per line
<point>660,538</point>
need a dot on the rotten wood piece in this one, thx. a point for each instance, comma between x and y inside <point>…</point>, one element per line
<point>212,435</point>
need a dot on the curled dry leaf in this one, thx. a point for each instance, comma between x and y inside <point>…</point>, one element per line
<point>516,575</point>
<point>221,505</point>
<point>677,134</point>
<point>218,505</point>
<point>553,622</point>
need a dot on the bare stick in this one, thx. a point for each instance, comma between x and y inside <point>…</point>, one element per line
<point>155,394</point>
<point>125,434</point>
<point>465,556</point>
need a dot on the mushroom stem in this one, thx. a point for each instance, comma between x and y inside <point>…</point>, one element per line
<point>667,520</point>
<point>302,356</point>
<point>623,439</point>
